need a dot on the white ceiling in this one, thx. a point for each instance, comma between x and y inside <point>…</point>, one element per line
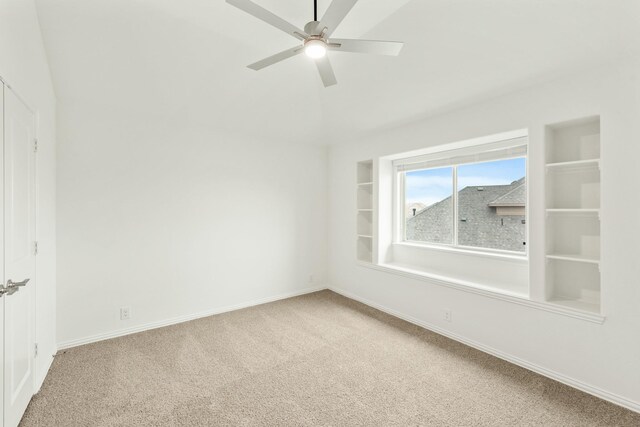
<point>186,59</point>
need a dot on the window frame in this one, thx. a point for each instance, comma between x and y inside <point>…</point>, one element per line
<point>399,234</point>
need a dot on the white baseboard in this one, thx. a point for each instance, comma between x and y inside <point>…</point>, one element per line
<point>180,319</point>
<point>595,391</point>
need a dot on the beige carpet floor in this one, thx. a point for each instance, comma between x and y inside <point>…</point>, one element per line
<point>318,359</point>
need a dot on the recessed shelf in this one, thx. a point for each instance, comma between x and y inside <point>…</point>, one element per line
<point>365,249</point>
<point>573,185</point>
<point>573,141</point>
<point>364,211</point>
<point>576,236</point>
<point>574,211</point>
<point>573,258</point>
<point>365,196</point>
<point>574,165</point>
<point>365,172</point>
<point>365,223</point>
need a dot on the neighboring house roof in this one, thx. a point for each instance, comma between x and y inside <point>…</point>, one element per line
<point>513,194</point>
<point>479,223</point>
<point>515,197</point>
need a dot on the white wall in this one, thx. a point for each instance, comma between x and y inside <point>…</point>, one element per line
<point>23,65</point>
<point>173,220</point>
<point>604,359</point>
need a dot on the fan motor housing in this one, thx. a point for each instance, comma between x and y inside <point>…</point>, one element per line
<point>312,28</point>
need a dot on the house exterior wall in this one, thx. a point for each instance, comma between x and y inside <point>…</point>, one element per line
<point>510,210</point>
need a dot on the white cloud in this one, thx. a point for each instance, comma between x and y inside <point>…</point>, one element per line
<point>428,182</point>
<point>425,200</point>
<point>427,189</point>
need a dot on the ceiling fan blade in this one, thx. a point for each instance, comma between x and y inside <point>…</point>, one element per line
<point>276,58</point>
<point>335,14</point>
<point>366,46</point>
<point>268,17</point>
<point>326,71</point>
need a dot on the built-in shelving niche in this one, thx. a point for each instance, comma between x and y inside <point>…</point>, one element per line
<point>364,213</point>
<point>573,176</point>
<point>365,223</point>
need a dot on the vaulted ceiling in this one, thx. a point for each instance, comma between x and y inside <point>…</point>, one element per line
<point>186,60</point>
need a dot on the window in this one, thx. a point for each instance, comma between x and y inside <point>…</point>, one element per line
<point>487,210</point>
<point>429,205</point>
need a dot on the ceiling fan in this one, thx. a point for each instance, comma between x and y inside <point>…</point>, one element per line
<point>315,37</point>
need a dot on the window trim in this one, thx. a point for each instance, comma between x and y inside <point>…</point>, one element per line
<point>399,229</point>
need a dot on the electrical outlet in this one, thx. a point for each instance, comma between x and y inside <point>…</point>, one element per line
<point>447,315</point>
<point>125,313</point>
<point>311,278</point>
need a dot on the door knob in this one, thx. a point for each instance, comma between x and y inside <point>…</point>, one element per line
<point>13,287</point>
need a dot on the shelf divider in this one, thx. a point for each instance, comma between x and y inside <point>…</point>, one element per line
<point>573,211</point>
<point>573,258</point>
<point>574,164</point>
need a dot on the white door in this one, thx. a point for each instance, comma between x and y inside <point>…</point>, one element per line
<point>1,268</point>
<point>19,257</point>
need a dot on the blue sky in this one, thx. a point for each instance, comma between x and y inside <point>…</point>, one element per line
<point>432,185</point>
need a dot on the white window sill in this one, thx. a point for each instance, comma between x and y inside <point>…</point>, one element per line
<point>487,291</point>
<point>503,255</point>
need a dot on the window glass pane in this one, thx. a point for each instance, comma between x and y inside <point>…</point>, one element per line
<point>491,204</point>
<point>429,206</point>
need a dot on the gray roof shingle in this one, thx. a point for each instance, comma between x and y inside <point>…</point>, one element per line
<point>515,197</point>
<point>479,224</point>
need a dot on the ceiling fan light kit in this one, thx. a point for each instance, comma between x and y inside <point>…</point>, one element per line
<point>315,37</point>
<point>315,48</point>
